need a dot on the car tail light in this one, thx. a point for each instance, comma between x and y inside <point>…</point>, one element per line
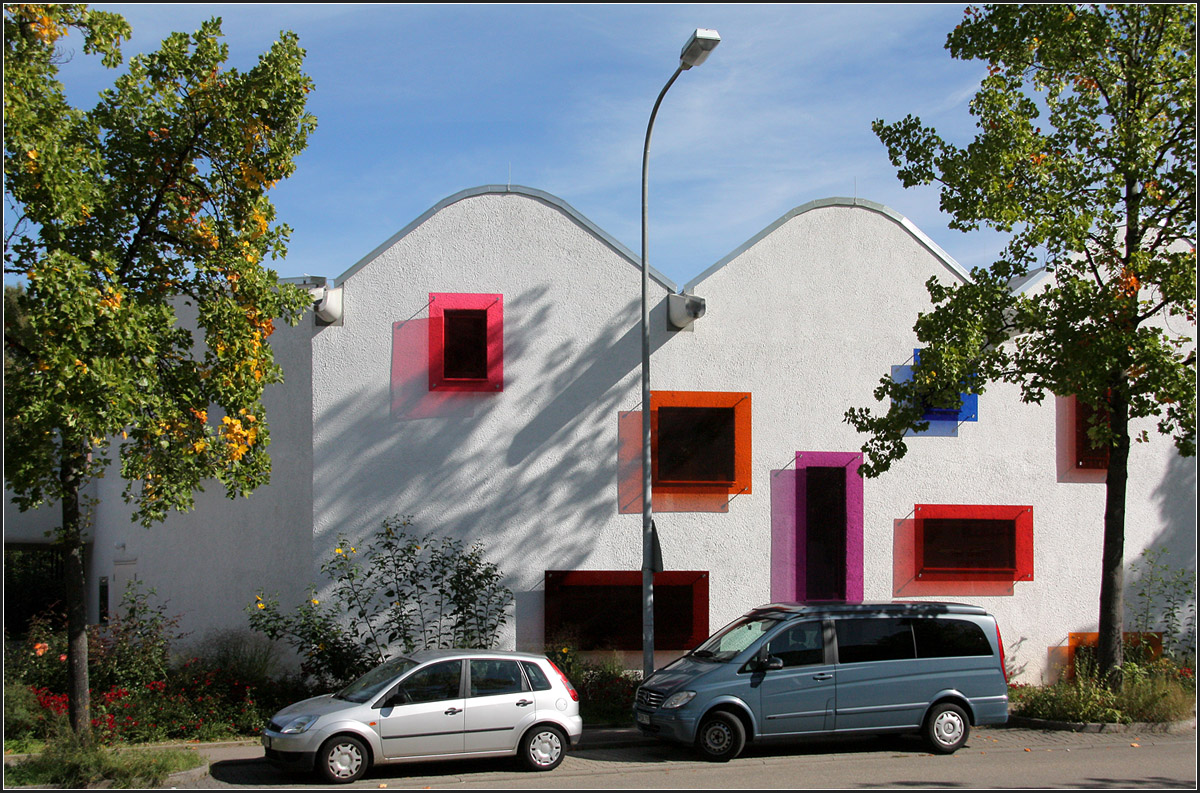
<point>567,683</point>
<point>1000,644</point>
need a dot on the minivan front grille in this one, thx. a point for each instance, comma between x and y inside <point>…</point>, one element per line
<point>648,698</point>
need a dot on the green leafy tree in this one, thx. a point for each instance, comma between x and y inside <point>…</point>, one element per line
<point>152,203</point>
<point>1086,155</point>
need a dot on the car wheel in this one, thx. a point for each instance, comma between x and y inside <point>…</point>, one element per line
<point>946,728</point>
<point>543,748</point>
<point>342,759</point>
<point>721,737</point>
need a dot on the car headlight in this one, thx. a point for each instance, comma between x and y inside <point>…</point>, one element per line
<point>678,700</point>
<point>299,724</point>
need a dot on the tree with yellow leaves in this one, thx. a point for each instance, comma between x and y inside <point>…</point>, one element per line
<point>154,198</point>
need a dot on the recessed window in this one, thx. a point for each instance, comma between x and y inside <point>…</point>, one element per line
<point>464,355</point>
<point>466,342</point>
<point>602,609</point>
<point>1089,455</point>
<point>700,441</point>
<point>973,543</point>
<point>969,544</point>
<point>696,445</point>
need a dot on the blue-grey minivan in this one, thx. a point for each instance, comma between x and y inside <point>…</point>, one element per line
<point>795,670</point>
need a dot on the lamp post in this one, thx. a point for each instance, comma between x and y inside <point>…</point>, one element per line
<point>694,53</point>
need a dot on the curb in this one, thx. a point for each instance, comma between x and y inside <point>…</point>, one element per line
<point>1167,727</point>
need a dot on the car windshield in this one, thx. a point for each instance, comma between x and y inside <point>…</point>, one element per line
<point>375,681</point>
<point>735,637</point>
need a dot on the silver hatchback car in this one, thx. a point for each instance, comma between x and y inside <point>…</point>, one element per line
<point>432,705</point>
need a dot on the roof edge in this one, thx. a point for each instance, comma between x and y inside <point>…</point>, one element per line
<point>951,264</point>
<point>528,192</point>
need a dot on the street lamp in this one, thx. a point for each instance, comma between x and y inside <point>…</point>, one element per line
<point>694,53</point>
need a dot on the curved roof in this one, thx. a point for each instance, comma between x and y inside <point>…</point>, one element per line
<point>953,266</point>
<point>554,201</point>
<point>528,192</point>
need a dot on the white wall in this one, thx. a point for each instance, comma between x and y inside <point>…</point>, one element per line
<point>807,317</point>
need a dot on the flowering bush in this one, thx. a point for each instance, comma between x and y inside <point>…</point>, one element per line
<point>413,593</point>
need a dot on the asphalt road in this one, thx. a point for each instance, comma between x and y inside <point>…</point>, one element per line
<point>993,758</point>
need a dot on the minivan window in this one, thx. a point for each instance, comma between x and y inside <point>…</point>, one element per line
<point>874,640</point>
<point>735,637</point>
<point>799,645</point>
<point>947,638</point>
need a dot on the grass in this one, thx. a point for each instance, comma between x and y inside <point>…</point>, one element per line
<point>63,762</point>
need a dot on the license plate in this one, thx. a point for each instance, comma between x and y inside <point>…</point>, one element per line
<point>643,718</point>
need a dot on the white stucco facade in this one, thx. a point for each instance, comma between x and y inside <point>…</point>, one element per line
<point>805,317</point>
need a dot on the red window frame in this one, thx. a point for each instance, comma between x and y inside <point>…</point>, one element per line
<point>1021,518</point>
<point>493,305</point>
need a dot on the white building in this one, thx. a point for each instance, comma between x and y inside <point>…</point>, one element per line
<point>480,372</point>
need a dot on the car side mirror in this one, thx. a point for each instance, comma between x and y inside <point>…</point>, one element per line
<point>763,660</point>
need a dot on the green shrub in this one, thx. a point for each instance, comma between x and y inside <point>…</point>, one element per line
<point>131,649</point>
<point>606,689</point>
<point>1150,691</point>
<point>1162,599</point>
<point>411,593</point>
<point>24,717</point>
<point>244,655</point>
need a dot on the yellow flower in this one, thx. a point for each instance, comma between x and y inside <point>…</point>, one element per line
<point>261,606</point>
<point>316,602</point>
<point>337,550</point>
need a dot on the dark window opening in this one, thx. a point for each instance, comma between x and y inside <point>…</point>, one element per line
<point>35,585</point>
<point>874,640</point>
<point>969,544</point>
<point>465,344</point>
<point>602,610</point>
<point>825,534</point>
<point>1089,455</point>
<point>949,639</point>
<point>696,444</point>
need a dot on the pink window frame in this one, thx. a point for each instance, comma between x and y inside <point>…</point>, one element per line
<point>493,305</point>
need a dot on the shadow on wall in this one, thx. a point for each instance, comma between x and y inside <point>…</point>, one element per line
<point>531,477</point>
<point>1178,536</point>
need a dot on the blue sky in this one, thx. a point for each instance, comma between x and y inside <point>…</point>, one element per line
<point>417,102</point>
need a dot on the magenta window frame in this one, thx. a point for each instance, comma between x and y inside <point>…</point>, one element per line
<point>788,564</point>
<point>493,305</point>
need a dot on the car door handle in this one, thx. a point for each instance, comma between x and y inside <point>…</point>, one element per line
<point>524,703</point>
<point>823,676</point>
<point>453,711</point>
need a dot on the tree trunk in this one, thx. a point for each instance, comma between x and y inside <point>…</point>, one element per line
<point>1112,573</point>
<point>74,459</point>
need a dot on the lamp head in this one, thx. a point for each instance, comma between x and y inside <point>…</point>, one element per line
<point>702,42</point>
